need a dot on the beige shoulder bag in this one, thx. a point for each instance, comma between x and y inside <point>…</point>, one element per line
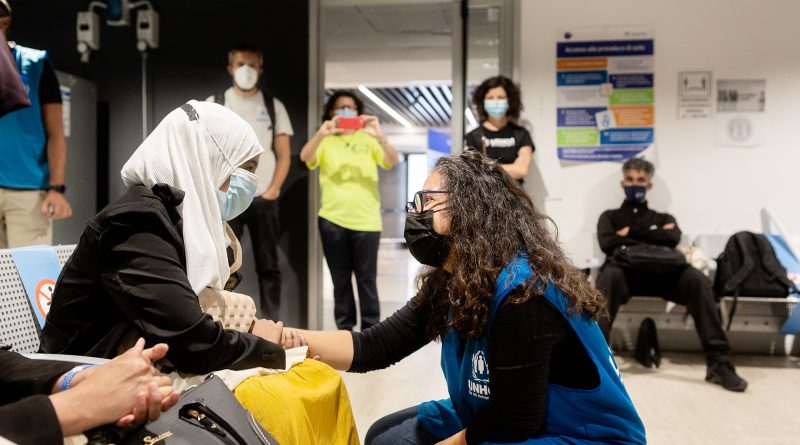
<point>235,311</point>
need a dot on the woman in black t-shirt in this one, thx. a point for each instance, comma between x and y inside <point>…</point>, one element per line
<point>498,103</point>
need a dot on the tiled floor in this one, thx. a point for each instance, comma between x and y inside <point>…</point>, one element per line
<point>675,403</point>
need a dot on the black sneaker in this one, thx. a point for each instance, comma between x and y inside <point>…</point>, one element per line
<point>723,373</point>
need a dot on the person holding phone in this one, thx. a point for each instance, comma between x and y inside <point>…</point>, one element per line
<point>347,148</point>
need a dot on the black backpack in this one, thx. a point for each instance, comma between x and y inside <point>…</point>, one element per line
<point>647,352</point>
<point>269,102</point>
<point>748,266</point>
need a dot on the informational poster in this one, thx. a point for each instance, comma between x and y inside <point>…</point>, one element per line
<point>741,96</point>
<point>741,106</point>
<point>604,84</point>
<point>694,94</point>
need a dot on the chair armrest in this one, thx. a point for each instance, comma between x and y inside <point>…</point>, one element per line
<point>68,358</point>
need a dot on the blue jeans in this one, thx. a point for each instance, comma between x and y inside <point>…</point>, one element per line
<point>399,428</point>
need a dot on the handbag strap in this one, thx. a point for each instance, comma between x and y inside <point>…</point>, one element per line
<point>236,247</point>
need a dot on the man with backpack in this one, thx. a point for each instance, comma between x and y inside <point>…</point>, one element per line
<point>624,274</point>
<point>269,119</point>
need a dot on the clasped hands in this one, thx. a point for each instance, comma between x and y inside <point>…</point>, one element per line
<point>276,333</point>
<point>124,391</point>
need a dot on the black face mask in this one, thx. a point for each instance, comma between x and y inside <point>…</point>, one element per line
<point>427,246</point>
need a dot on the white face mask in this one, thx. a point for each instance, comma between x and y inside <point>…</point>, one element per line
<point>245,77</point>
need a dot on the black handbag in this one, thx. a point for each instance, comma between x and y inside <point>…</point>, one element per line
<point>205,414</point>
<point>649,258</point>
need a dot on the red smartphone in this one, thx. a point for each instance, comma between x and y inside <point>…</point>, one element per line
<point>352,123</point>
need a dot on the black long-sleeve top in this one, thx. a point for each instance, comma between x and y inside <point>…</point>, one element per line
<point>26,414</point>
<point>646,226</point>
<point>531,345</point>
<point>127,278</point>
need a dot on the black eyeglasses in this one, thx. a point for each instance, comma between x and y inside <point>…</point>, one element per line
<point>418,204</point>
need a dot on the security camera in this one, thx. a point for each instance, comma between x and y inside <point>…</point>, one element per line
<point>146,29</point>
<point>88,32</point>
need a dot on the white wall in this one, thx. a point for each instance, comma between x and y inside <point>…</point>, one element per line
<point>708,188</point>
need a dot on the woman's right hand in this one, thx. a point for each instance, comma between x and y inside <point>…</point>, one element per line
<point>330,127</point>
<point>268,330</point>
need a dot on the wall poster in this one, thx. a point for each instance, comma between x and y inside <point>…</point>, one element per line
<point>604,84</point>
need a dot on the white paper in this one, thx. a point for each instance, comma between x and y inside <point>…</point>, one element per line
<point>741,118</point>
<point>741,95</point>
<point>694,94</point>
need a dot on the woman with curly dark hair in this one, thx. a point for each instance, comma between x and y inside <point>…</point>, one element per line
<point>524,359</point>
<point>498,102</point>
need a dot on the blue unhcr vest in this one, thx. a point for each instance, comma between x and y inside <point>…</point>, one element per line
<point>23,163</point>
<point>574,416</point>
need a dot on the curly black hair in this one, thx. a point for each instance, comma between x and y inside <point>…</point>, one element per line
<point>512,92</point>
<point>327,110</point>
<point>484,242</point>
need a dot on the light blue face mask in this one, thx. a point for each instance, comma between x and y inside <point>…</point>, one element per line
<point>346,112</point>
<point>495,108</point>
<point>241,191</point>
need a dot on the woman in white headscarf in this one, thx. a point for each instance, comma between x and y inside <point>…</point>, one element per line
<point>142,261</point>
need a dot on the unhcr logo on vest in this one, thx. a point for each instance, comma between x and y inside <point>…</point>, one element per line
<point>478,383</point>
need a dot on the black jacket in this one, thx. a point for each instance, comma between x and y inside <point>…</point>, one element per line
<point>127,278</point>
<point>646,226</point>
<point>26,414</point>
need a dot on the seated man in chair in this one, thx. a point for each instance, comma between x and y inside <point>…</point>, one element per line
<point>635,223</point>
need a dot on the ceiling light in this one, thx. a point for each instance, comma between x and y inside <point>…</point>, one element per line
<point>470,117</point>
<point>403,121</point>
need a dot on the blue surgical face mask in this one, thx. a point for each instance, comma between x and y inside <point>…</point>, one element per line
<point>635,193</point>
<point>495,108</point>
<point>346,112</point>
<point>241,191</point>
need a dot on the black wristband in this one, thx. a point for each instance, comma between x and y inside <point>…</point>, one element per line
<point>60,188</point>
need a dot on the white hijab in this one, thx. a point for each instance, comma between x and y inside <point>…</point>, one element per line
<point>195,149</point>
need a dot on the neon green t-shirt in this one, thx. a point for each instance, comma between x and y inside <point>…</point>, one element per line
<point>348,180</point>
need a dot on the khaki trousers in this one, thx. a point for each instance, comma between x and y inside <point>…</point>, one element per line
<point>21,220</point>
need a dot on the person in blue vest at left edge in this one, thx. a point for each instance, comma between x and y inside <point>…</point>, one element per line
<point>34,152</point>
<point>524,359</point>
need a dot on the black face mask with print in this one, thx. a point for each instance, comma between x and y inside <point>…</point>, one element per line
<point>427,246</point>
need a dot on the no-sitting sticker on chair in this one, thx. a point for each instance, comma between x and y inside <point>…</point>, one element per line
<point>44,296</point>
<point>38,269</point>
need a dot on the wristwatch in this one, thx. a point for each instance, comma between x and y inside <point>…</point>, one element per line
<point>60,188</point>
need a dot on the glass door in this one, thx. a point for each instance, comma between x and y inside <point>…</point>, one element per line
<point>413,63</point>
